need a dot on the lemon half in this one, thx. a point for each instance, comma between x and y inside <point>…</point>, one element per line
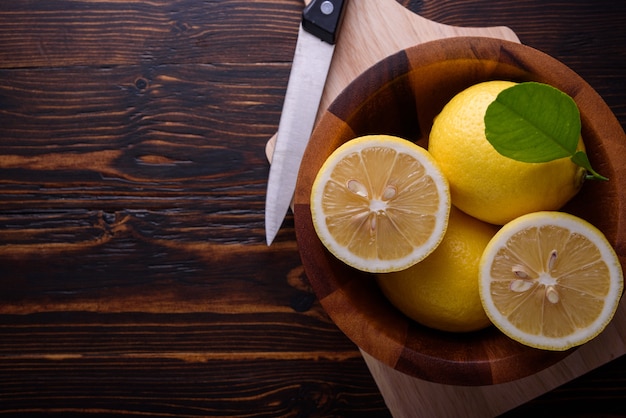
<point>550,280</point>
<point>380,203</point>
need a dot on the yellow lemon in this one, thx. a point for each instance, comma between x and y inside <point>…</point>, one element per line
<point>441,291</point>
<point>484,183</point>
<point>380,203</point>
<point>550,280</point>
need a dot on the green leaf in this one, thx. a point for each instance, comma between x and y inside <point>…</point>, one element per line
<point>582,160</point>
<point>534,123</point>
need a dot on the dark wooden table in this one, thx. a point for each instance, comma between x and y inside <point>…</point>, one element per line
<point>134,275</point>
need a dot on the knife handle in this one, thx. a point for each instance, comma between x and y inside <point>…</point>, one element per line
<point>322,19</point>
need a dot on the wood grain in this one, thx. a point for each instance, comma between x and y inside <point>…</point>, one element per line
<point>70,33</point>
<point>134,275</point>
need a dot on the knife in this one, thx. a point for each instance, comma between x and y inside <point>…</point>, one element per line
<point>317,36</point>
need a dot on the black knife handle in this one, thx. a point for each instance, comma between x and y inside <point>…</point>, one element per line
<point>322,18</point>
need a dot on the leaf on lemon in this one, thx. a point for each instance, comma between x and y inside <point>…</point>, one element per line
<point>582,160</point>
<point>534,123</point>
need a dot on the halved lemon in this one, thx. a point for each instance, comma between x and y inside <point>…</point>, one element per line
<point>380,203</point>
<point>550,280</point>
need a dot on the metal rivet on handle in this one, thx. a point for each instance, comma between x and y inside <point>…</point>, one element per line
<point>327,7</point>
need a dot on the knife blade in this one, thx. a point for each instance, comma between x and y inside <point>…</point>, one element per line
<point>317,36</point>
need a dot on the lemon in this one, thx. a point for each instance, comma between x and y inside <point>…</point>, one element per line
<point>550,280</point>
<point>380,203</point>
<point>484,183</point>
<point>441,291</point>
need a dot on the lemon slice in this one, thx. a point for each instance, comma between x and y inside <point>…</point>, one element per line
<point>550,280</point>
<point>380,203</point>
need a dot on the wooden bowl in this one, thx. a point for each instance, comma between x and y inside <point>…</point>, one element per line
<point>400,96</point>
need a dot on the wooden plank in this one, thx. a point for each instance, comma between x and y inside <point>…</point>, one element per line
<point>104,312</point>
<point>139,385</point>
<point>91,33</point>
<point>134,137</point>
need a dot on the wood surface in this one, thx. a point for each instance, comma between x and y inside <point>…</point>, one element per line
<point>134,275</point>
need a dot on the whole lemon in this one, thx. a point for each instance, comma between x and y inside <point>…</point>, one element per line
<point>484,183</point>
<point>442,290</point>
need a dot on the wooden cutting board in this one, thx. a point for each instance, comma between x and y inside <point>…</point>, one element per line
<point>372,30</point>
